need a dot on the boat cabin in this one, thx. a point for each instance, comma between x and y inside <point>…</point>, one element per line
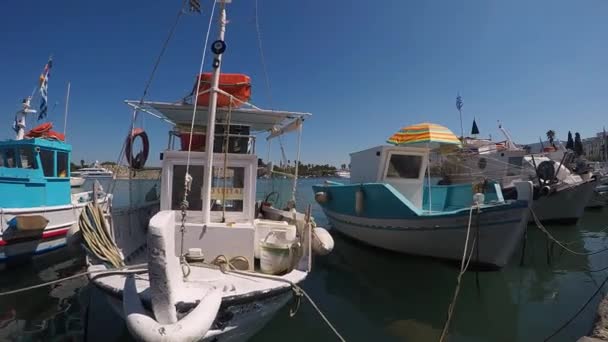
<point>402,167</point>
<point>231,214</point>
<point>405,169</point>
<point>34,173</point>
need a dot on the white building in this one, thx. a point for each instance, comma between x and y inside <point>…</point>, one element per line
<point>593,147</point>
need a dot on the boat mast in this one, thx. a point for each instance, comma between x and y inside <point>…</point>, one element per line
<point>218,48</point>
<point>65,113</point>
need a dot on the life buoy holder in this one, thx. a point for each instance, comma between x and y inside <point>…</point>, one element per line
<point>139,160</point>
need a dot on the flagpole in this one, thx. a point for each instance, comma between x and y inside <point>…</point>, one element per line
<point>65,113</point>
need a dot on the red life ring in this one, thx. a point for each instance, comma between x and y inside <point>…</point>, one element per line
<point>40,130</point>
<point>138,161</point>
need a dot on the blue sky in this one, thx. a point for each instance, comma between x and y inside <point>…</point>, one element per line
<point>363,68</point>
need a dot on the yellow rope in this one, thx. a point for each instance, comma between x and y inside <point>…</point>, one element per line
<point>94,230</point>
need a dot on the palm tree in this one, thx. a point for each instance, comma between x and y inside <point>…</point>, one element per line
<point>551,136</point>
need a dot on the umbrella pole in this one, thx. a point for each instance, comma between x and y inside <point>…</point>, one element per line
<point>428,174</point>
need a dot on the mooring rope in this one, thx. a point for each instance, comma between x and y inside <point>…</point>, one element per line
<point>225,266</point>
<point>567,322</point>
<point>559,243</point>
<point>97,273</point>
<point>464,265</point>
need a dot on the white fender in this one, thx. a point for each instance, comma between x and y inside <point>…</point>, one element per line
<point>525,192</point>
<point>322,242</point>
<point>192,327</point>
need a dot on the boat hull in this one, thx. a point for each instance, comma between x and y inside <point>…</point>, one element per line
<point>17,246</point>
<point>565,206</point>
<point>500,231</point>
<point>239,319</point>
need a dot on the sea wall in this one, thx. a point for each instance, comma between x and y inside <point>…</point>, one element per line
<point>600,327</point>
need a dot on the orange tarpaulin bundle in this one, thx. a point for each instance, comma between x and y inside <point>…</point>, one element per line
<point>237,85</point>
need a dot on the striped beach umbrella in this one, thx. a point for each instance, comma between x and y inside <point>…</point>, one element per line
<point>424,133</point>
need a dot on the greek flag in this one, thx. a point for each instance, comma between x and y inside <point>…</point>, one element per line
<point>44,82</point>
<point>195,6</point>
<point>459,102</point>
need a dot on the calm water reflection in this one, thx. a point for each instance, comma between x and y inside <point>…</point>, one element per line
<point>368,294</point>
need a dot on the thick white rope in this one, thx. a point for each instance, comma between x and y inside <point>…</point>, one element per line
<point>463,269</point>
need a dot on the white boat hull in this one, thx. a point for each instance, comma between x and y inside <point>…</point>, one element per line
<point>61,219</point>
<point>76,181</point>
<point>248,318</point>
<point>564,206</point>
<point>444,238</point>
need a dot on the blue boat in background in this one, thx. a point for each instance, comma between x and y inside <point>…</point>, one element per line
<point>37,207</point>
<point>389,204</point>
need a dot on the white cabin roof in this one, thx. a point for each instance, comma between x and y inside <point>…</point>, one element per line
<point>181,113</point>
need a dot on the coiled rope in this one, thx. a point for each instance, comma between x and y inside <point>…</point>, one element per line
<point>464,265</point>
<point>96,235</point>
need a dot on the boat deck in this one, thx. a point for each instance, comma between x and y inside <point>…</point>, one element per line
<point>202,278</point>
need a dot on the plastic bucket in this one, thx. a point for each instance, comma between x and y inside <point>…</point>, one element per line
<point>283,232</point>
<point>275,254</point>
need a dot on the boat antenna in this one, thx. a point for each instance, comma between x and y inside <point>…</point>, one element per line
<point>65,112</point>
<point>218,47</point>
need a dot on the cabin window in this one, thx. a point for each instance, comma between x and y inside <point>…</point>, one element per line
<point>228,187</point>
<point>194,197</point>
<point>47,158</point>
<point>62,164</point>
<point>404,166</point>
<point>26,155</point>
<point>515,166</point>
<point>8,156</point>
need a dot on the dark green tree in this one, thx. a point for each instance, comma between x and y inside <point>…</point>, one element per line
<point>570,143</point>
<point>578,145</point>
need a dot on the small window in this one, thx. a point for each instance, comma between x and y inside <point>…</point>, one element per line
<point>27,158</point>
<point>47,159</point>
<point>62,164</point>
<point>515,166</point>
<point>9,157</point>
<point>404,166</point>
<point>194,197</point>
<point>228,187</point>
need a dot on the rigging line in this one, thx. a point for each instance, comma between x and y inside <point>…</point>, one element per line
<point>162,51</point>
<point>263,60</point>
<point>566,323</point>
<point>198,85</point>
<point>147,86</point>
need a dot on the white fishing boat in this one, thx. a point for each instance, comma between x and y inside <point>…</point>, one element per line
<point>93,172</point>
<point>560,195</point>
<point>343,174</point>
<point>390,204</point>
<point>76,182</point>
<point>218,264</point>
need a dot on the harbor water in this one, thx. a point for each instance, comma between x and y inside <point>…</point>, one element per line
<point>368,294</point>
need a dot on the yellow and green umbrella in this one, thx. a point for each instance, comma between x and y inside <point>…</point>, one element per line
<point>424,133</point>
